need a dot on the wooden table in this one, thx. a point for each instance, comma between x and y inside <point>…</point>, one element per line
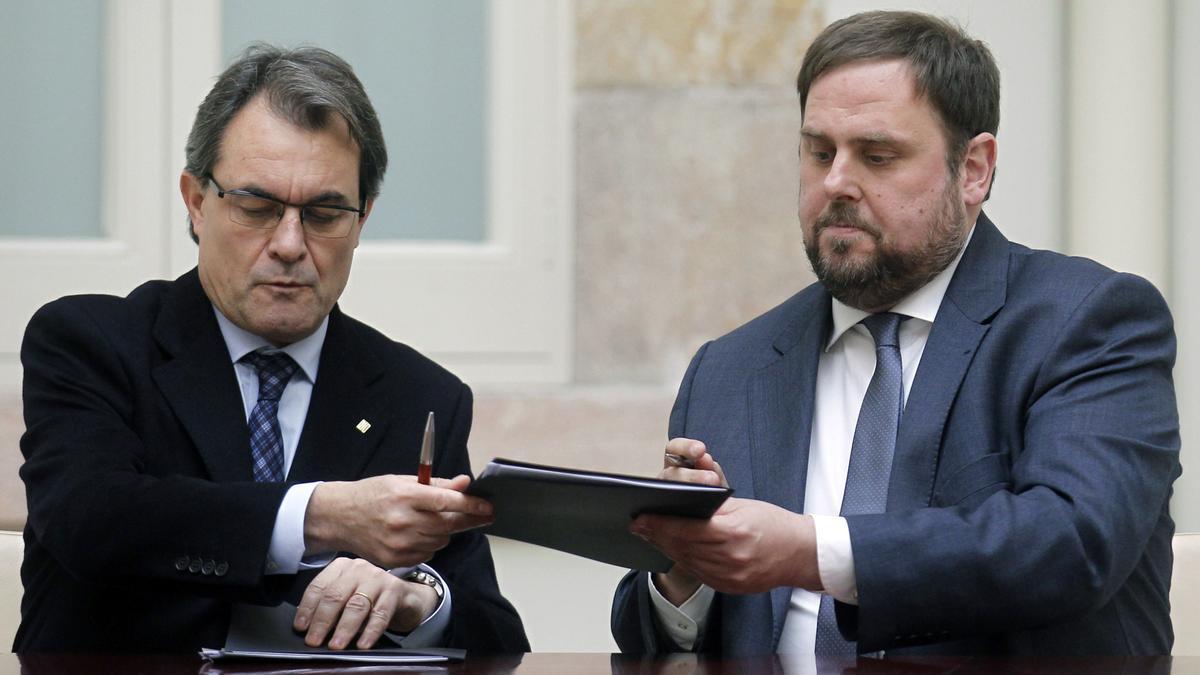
<point>606,664</point>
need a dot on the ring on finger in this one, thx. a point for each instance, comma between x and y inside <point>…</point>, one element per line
<point>367,598</point>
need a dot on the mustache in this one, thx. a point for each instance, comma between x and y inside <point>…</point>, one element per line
<point>843,214</point>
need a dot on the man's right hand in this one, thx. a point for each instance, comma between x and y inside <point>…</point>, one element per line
<point>392,521</point>
<point>676,585</point>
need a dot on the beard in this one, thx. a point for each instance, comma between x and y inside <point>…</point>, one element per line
<point>888,275</point>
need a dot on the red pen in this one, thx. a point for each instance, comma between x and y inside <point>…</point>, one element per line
<point>425,467</point>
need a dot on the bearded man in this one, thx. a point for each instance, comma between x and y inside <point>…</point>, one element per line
<point>951,443</point>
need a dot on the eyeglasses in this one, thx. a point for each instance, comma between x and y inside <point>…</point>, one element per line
<point>328,221</point>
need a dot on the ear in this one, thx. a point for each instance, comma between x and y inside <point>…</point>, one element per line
<point>193,193</point>
<point>979,163</point>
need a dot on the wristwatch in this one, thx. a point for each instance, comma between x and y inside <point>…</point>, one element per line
<point>423,577</point>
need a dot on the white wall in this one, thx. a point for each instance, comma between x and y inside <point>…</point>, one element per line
<point>1184,148</point>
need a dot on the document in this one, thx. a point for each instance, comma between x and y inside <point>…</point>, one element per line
<point>266,633</point>
<point>587,513</point>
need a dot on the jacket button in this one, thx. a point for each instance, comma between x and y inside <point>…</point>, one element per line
<point>207,567</point>
<point>194,566</point>
<point>222,568</point>
<point>181,563</point>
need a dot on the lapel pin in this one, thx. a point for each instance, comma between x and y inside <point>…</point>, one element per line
<point>363,425</point>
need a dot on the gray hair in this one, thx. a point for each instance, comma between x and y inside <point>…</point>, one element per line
<point>305,86</point>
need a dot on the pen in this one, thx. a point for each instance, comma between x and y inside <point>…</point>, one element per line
<point>425,467</point>
<point>680,461</point>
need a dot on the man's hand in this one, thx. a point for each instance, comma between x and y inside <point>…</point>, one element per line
<point>677,585</point>
<point>747,546</point>
<point>353,597</point>
<point>392,521</point>
<point>704,470</point>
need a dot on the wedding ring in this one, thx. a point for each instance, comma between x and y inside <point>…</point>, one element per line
<point>366,597</point>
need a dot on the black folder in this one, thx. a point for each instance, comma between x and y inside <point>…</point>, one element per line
<point>257,632</point>
<point>587,513</point>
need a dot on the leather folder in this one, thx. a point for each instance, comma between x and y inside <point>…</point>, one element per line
<point>587,513</point>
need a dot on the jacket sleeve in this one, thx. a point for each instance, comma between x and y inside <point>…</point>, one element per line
<point>94,506</point>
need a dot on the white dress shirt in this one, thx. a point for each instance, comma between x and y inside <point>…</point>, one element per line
<point>286,554</point>
<point>843,373</point>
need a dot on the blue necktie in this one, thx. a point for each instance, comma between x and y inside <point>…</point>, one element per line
<point>266,442</point>
<point>870,454</point>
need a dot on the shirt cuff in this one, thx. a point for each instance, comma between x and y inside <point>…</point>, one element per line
<point>287,539</point>
<point>835,558</point>
<point>684,624</point>
<point>430,632</point>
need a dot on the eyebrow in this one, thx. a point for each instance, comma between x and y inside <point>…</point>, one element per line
<point>327,197</point>
<point>873,138</point>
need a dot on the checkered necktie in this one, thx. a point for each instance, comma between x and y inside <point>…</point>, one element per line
<point>870,454</point>
<point>266,442</point>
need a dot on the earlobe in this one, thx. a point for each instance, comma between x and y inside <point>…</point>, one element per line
<point>979,163</point>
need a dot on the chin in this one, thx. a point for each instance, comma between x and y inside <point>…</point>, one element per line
<point>286,331</point>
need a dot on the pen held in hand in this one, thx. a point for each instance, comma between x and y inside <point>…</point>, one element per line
<point>425,466</point>
<point>680,461</point>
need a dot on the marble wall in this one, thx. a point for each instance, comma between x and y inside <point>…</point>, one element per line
<point>686,129</point>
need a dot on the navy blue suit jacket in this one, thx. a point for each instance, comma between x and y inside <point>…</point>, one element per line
<point>1027,506</point>
<point>145,523</point>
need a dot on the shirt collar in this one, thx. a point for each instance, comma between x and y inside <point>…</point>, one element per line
<point>306,353</point>
<point>921,304</point>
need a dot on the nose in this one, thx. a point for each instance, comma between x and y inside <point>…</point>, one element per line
<point>841,181</point>
<point>287,240</point>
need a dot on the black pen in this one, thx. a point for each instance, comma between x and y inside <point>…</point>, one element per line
<point>680,461</point>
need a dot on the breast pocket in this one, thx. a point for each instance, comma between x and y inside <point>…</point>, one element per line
<point>971,483</point>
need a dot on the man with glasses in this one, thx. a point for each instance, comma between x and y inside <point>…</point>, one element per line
<point>231,438</point>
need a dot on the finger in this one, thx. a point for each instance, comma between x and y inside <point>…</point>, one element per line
<point>459,522</point>
<point>716,468</point>
<point>359,607</point>
<point>442,500</point>
<point>666,530</point>
<point>329,608</point>
<point>381,615</point>
<point>458,483</point>
<point>313,593</point>
<point>697,475</point>
<point>686,448</point>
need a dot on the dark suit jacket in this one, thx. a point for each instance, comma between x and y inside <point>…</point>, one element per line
<point>1027,506</point>
<point>144,521</point>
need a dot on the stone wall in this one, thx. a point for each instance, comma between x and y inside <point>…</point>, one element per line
<point>686,128</point>
<point>686,132</point>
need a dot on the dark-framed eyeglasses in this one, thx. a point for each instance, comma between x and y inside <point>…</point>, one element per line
<point>327,221</point>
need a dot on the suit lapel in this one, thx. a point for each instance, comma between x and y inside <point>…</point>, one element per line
<point>781,399</point>
<point>348,390</point>
<point>198,381</point>
<point>975,294</point>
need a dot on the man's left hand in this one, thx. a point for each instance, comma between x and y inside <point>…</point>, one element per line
<point>747,546</point>
<point>352,596</point>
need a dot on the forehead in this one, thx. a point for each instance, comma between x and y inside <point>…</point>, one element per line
<point>260,145</point>
<point>869,99</point>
